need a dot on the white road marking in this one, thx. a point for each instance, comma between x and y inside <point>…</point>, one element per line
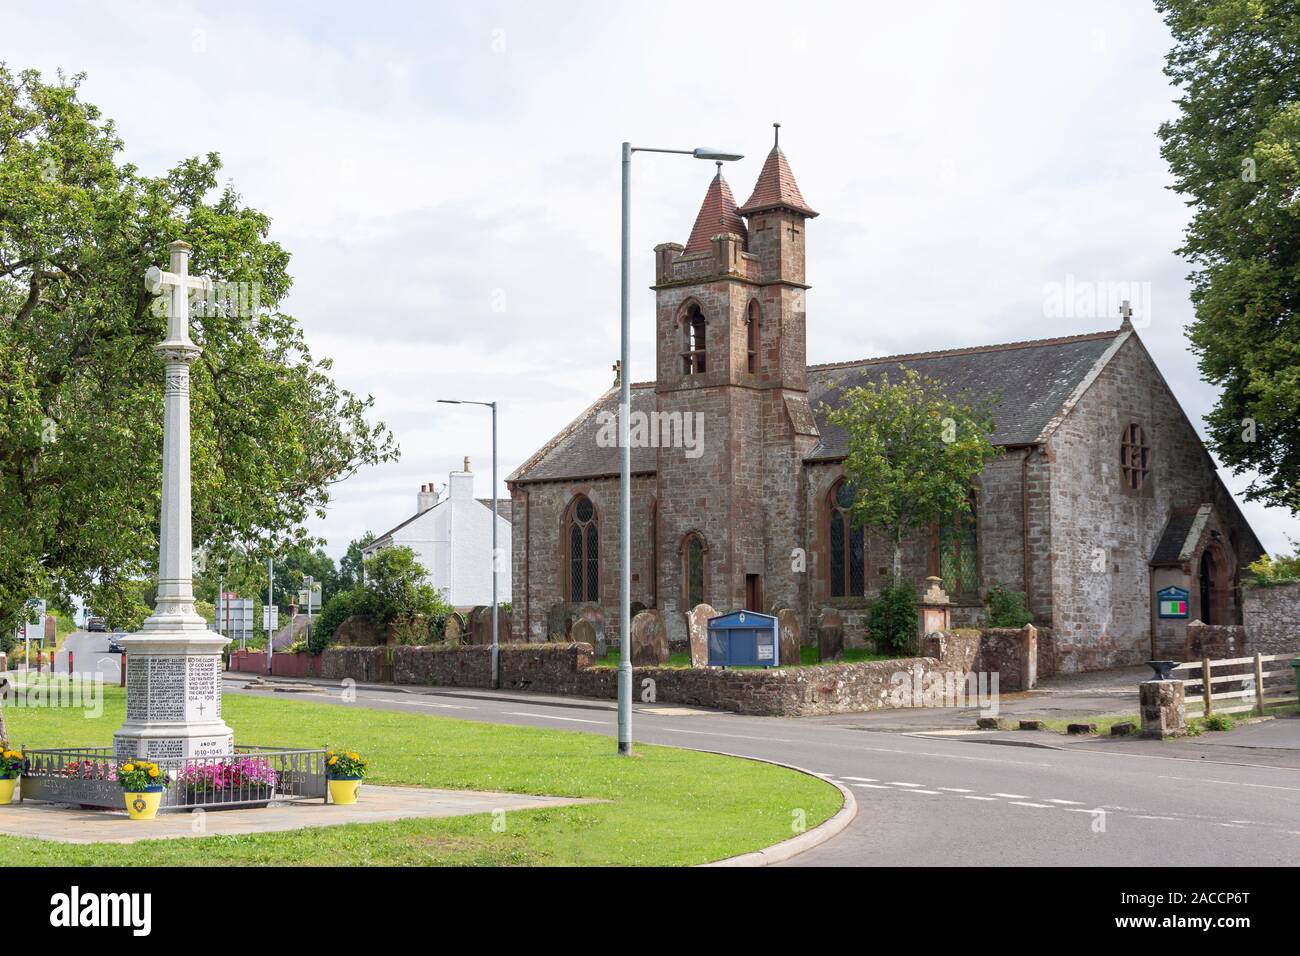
<point>933,793</point>
<point>1012,796</point>
<point>1076,803</point>
<point>575,720</point>
<point>1082,810</point>
<point>871,786</point>
<point>1234,783</point>
<point>863,779</point>
<point>1022,803</point>
<point>1150,816</point>
<point>956,790</point>
<point>992,799</point>
<point>899,783</point>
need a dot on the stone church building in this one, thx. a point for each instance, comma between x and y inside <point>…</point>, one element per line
<point>1102,492</point>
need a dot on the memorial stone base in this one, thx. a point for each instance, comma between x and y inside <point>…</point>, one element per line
<point>1163,712</point>
<point>173,709</point>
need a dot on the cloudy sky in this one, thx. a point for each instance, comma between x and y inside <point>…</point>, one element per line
<point>446,177</point>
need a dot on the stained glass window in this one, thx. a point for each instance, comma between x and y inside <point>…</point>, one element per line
<point>848,551</point>
<point>584,551</point>
<point>959,555</point>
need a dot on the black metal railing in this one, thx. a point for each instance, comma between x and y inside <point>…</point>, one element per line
<point>251,776</point>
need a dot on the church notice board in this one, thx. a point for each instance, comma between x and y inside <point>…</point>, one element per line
<point>1172,602</point>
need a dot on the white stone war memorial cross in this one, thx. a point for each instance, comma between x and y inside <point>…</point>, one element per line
<point>173,676</point>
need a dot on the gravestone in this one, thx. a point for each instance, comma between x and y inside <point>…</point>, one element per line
<point>649,640</point>
<point>584,632</point>
<point>697,625</point>
<point>594,617</point>
<point>830,635</point>
<point>480,625</point>
<point>559,619</point>
<point>173,665</point>
<point>454,630</point>
<point>788,636</point>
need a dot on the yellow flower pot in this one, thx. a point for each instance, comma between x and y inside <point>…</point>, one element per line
<point>7,785</point>
<point>344,792</point>
<point>143,806</point>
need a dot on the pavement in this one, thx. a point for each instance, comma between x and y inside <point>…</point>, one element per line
<point>929,798</point>
<point>378,804</point>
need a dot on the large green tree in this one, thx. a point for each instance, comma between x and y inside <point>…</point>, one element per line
<point>1234,150</point>
<point>913,454</point>
<point>80,385</point>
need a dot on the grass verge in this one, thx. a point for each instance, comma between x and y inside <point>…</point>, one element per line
<point>666,806</point>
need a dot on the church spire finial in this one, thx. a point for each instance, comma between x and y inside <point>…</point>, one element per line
<point>776,135</point>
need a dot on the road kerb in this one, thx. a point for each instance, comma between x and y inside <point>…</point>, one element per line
<point>787,849</point>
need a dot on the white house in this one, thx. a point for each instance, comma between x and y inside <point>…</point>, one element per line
<point>451,536</point>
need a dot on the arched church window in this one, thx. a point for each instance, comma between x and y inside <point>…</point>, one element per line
<point>959,554</point>
<point>848,552</point>
<point>693,569</point>
<point>695,327</point>
<point>751,338</point>
<point>583,543</point>
<point>1135,457</point>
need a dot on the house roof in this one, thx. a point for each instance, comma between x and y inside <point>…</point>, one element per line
<point>717,215</point>
<point>776,187</point>
<point>1029,384</point>
<point>504,506</point>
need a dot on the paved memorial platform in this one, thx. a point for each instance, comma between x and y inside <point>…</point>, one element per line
<point>378,804</point>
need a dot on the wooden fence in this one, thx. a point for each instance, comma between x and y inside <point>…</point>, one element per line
<point>1239,679</point>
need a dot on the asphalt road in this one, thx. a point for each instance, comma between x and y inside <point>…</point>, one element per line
<point>935,801</point>
<point>89,656</point>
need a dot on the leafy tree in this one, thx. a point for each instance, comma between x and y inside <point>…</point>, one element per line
<point>294,566</point>
<point>397,587</point>
<point>350,565</point>
<point>913,454</point>
<point>1234,150</point>
<point>80,385</point>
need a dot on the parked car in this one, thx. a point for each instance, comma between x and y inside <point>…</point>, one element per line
<point>115,645</point>
<point>96,624</point>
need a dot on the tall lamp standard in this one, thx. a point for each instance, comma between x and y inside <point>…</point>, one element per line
<point>625,452</point>
<point>496,642</point>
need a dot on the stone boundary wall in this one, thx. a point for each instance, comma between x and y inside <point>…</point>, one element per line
<point>1271,616</point>
<point>1216,641</point>
<point>565,669</point>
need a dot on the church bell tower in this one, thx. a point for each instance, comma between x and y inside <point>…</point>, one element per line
<point>731,368</point>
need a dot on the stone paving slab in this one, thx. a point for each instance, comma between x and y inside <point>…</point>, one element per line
<point>378,804</point>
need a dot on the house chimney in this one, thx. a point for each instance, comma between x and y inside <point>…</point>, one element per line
<point>461,483</point>
<point>427,499</point>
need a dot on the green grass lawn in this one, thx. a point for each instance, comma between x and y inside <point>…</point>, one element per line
<point>666,806</point>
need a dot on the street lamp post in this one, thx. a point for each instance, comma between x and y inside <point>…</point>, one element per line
<point>625,451</point>
<point>496,638</point>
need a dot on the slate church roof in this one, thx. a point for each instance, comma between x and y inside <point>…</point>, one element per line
<point>1030,384</point>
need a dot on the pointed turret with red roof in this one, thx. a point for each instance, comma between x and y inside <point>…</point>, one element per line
<point>776,188</point>
<point>717,215</point>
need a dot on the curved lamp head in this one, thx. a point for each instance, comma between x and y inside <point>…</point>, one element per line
<point>707,152</point>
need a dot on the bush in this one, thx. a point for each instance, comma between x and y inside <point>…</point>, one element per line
<point>1284,569</point>
<point>1006,608</point>
<point>336,610</point>
<point>892,619</point>
<point>411,629</point>
<point>1219,722</point>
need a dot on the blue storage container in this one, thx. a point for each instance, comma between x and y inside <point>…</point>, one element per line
<point>743,639</point>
